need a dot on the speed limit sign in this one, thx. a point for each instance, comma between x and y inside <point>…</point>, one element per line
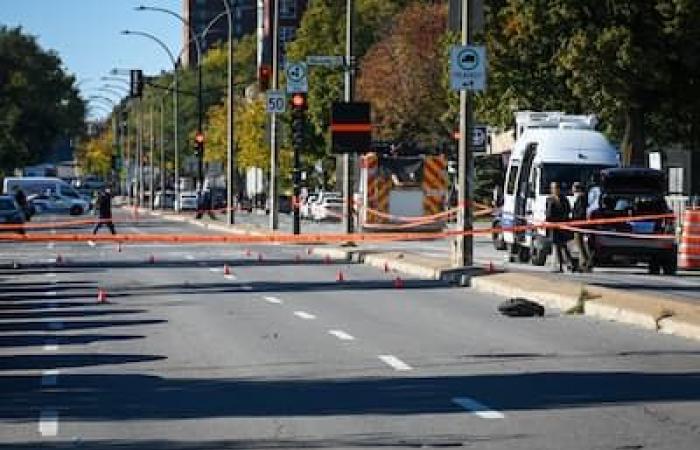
<point>276,102</point>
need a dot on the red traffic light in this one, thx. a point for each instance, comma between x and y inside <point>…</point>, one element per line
<point>299,101</point>
<point>199,137</point>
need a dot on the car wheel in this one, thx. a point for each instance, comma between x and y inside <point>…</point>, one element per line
<point>670,266</point>
<point>654,267</point>
<point>538,257</point>
<point>75,210</point>
<point>523,254</point>
<point>499,242</point>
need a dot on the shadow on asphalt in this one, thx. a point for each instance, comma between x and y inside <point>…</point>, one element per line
<point>34,340</point>
<point>75,324</point>
<point>128,397</point>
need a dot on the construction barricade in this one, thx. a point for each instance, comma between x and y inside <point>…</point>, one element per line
<point>689,248</point>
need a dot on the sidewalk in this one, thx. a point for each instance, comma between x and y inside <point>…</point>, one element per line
<point>654,312</point>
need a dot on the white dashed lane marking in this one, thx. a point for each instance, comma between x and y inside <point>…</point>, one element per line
<point>50,377</point>
<point>50,293</point>
<point>274,300</point>
<point>342,335</point>
<point>304,315</point>
<point>230,277</point>
<point>51,345</point>
<point>189,257</point>
<point>477,408</point>
<point>51,275</point>
<point>48,423</point>
<point>394,362</point>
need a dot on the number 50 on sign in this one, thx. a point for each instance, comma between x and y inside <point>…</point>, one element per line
<point>276,102</point>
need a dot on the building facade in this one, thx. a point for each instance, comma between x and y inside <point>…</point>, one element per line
<point>210,16</point>
<point>250,16</point>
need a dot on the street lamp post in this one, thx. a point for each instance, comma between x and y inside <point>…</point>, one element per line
<point>198,48</point>
<point>175,105</point>
<point>230,156</point>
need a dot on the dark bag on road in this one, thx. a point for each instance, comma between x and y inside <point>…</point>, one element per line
<point>520,307</point>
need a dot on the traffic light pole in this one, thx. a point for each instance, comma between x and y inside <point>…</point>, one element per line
<point>296,175</point>
<point>274,149</point>
<point>348,217</point>
<point>140,166</point>
<point>463,245</point>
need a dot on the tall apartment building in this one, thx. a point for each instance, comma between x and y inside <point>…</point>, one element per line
<point>250,16</point>
<point>210,15</point>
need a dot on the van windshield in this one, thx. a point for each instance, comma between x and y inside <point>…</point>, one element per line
<point>566,175</point>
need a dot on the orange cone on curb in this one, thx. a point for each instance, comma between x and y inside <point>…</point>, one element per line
<point>227,270</point>
<point>339,277</point>
<point>101,295</point>
<point>398,283</point>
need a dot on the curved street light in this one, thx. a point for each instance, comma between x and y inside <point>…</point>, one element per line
<point>198,48</point>
<point>122,89</point>
<point>112,78</point>
<point>175,103</point>
<point>108,90</point>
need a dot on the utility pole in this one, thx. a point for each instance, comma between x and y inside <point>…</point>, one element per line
<point>140,150</point>
<point>176,143</point>
<point>348,158</point>
<point>152,196</point>
<point>162,152</point>
<point>274,145</point>
<point>230,154</point>
<point>462,254</point>
<point>128,160</point>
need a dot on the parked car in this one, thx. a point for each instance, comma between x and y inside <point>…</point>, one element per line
<point>319,200</point>
<point>187,201</point>
<point>10,213</point>
<point>631,192</point>
<point>164,202</point>
<point>57,203</point>
<point>306,205</point>
<point>330,208</point>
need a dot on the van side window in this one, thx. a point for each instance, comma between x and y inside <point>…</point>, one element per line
<point>512,178</point>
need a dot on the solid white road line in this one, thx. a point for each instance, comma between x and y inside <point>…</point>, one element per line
<point>51,345</point>
<point>274,300</point>
<point>247,287</point>
<point>477,408</point>
<point>48,423</point>
<point>56,325</point>
<point>51,275</point>
<point>304,315</point>
<point>50,293</point>
<point>394,362</point>
<point>50,377</point>
<point>342,335</point>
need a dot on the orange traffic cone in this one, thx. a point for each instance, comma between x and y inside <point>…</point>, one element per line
<point>227,270</point>
<point>339,277</point>
<point>398,283</point>
<point>101,295</point>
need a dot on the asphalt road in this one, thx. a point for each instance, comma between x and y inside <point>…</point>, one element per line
<point>281,355</point>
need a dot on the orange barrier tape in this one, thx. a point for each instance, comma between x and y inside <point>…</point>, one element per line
<point>276,238</point>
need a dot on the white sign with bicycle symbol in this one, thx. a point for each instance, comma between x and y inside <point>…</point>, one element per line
<point>297,78</point>
<point>468,68</point>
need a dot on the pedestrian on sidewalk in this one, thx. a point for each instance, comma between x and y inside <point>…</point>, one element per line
<point>578,212</point>
<point>559,210</point>
<point>204,204</point>
<point>104,210</point>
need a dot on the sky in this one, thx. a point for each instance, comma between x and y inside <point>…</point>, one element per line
<point>86,36</point>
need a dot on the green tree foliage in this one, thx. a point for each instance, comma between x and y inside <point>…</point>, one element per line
<point>38,100</point>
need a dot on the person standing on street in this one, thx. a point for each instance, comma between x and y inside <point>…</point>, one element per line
<point>204,204</point>
<point>21,200</point>
<point>104,210</point>
<point>578,212</point>
<point>558,210</point>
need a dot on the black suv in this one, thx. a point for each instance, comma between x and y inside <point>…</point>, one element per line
<point>631,192</point>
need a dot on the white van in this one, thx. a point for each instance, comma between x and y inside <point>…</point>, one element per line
<point>52,194</point>
<point>550,146</point>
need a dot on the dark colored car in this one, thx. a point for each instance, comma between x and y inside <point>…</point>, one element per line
<point>631,192</point>
<point>12,214</point>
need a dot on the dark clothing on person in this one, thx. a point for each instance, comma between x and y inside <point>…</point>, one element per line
<point>21,200</point>
<point>558,210</point>
<point>579,212</point>
<point>104,212</point>
<point>204,204</point>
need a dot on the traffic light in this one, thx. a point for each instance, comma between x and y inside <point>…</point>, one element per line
<point>136,84</point>
<point>199,144</point>
<point>299,107</point>
<point>264,75</point>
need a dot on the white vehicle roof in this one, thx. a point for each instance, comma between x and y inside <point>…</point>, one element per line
<point>563,145</point>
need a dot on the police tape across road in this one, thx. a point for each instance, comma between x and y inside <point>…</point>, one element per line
<point>321,238</point>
